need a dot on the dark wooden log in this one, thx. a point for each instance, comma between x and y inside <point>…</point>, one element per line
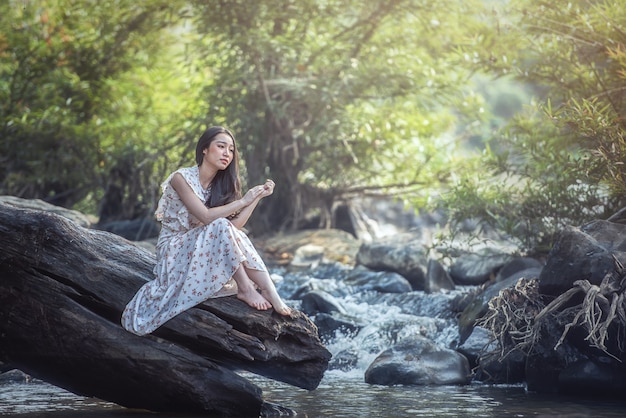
<point>62,290</point>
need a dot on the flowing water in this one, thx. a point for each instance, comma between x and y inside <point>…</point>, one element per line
<point>383,320</point>
<point>338,396</point>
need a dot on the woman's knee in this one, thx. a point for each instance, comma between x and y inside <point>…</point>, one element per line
<point>217,224</point>
<point>221,222</point>
<point>220,226</point>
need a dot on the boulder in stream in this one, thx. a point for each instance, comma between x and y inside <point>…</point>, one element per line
<point>419,361</point>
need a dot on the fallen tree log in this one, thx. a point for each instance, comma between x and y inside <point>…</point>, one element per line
<point>62,290</point>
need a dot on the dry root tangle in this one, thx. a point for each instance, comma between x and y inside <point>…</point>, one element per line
<point>510,317</point>
<point>516,316</point>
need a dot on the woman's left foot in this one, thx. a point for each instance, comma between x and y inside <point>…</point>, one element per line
<point>277,303</point>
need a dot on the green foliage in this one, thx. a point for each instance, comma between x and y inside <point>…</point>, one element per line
<point>332,99</point>
<point>600,132</point>
<point>336,97</point>
<point>562,164</point>
<point>530,187</point>
<point>80,88</point>
<point>329,98</point>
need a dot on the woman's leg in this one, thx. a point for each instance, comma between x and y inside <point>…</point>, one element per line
<point>247,292</point>
<point>262,279</point>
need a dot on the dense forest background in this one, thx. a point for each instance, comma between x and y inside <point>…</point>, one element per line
<point>511,112</point>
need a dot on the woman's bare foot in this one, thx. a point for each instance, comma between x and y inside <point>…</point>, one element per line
<point>279,306</point>
<point>247,291</point>
<point>254,299</point>
<point>263,280</point>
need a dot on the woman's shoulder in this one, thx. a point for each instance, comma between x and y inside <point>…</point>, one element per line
<point>191,176</point>
<point>188,171</point>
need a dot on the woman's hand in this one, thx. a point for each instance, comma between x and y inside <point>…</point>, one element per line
<point>250,200</point>
<point>268,188</point>
<point>258,192</point>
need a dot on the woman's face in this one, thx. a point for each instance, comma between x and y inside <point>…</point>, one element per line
<point>220,152</point>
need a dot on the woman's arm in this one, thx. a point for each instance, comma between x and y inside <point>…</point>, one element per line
<point>244,206</point>
<point>242,217</point>
<point>196,207</point>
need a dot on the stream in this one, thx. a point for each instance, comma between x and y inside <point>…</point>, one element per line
<point>383,319</point>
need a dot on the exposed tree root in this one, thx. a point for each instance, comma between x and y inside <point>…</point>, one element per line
<point>510,317</point>
<point>516,316</point>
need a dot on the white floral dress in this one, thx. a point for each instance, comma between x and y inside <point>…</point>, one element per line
<point>195,262</point>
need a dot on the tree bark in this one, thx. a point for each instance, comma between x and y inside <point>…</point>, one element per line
<point>62,290</point>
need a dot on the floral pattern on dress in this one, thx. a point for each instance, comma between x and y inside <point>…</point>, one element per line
<point>195,262</point>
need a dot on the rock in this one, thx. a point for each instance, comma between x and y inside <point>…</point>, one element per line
<point>490,368</point>
<point>307,256</point>
<point>476,269</point>
<point>350,217</point>
<point>477,304</point>
<point>339,246</point>
<point>574,362</point>
<point>508,371</point>
<point>345,360</point>
<point>380,281</point>
<point>62,291</point>
<point>592,377</point>
<point>329,324</point>
<point>610,235</point>
<point>473,346</point>
<point>319,301</point>
<point>37,204</point>
<point>520,267</point>
<point>14,376</point>
<point>545,363</point>
<point>569,364</point>
<point>618,217</point>
<point>404,254</point>
<point>582,254</point>
<point>418,361</point>
<point>301,285</point>
<point>437,278</point>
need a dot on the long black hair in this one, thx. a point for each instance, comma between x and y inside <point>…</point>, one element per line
<point>226,185</point>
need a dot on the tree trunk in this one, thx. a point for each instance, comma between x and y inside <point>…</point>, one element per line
<point>62,290</point>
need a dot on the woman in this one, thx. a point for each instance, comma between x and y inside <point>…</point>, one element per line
<point>201,251</point>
